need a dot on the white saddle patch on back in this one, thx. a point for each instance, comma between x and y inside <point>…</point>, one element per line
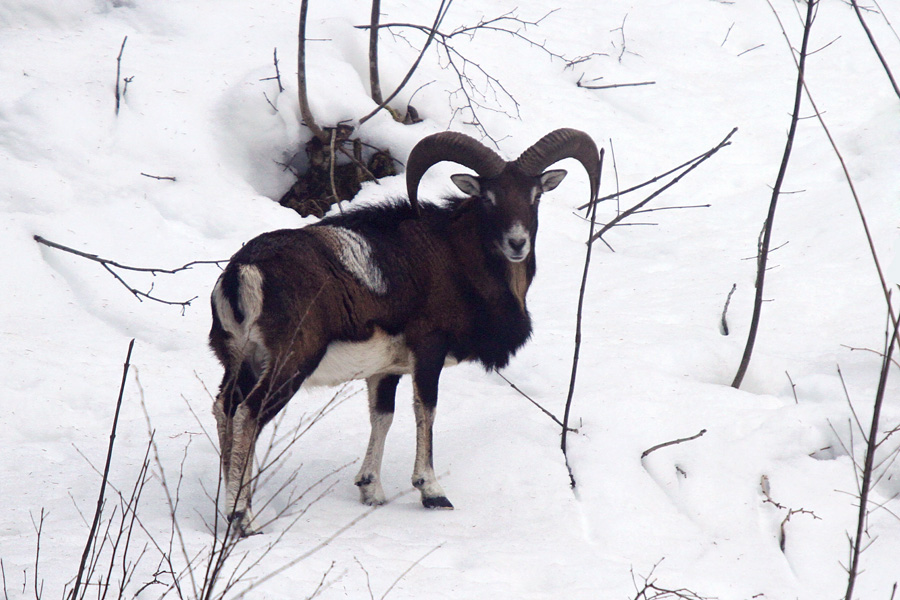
<point>355,254</point>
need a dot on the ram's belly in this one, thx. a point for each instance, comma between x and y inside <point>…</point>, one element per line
<point>380,354</point>
<point>345,361</point>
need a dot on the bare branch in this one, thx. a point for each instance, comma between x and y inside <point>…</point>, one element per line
<point>374,81</point>
<point>616,195</point>
<point>73,594</point>
<point>305,111</point>
<point>109,265</point>
<point>770,217</point>
<point>277,76</point>
<point>410,568</point>
<point>441,13</point>
<point>527,397</point>
<point>782,536</point>
<point>694,163</point>
<point>579,312</point>
<point>488,93</point>
<point>875,47</point>
<point>3,573</point>
<point>868,466</point>
<point>650,590</point>
<point>38,528</point>
<point>850,184</point>
<point>879,353</point>
<point>610,85</point>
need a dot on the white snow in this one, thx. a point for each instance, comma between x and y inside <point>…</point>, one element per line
<point>654,366</point>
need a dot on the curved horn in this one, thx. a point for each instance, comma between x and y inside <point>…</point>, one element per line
<point>560,144</point>
<point>448,146</point>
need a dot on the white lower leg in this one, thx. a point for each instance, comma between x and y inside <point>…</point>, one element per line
<point>369,477</point>
<point>240,482</point>
<point>223,426</point>
<point>423,478</point>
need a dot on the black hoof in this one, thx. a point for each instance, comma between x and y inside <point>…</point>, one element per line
<point>439,502</point>
<point>240,529</point>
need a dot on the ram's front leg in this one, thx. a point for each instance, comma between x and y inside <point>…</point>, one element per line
<point>429,359</point>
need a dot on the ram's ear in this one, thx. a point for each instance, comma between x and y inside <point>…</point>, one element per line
<point>551,179</point>
<point>467,184</point>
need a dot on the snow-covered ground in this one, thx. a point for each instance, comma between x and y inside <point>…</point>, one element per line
<point>654,365</point>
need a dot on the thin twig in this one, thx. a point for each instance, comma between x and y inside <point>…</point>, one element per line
<point>886,20</point>
<point>611,85</point>
<point>119,73</point>
<point>160,178</point>
<point>38,527</point>
<point>693,165</point>
<point>868,466</point>
<point>439,17</point>
<point>727,33</point>
<point>410,568</point>
<point>277,76</point>
<point>3,573</point>
<point>782,534</point>
<point>848,179</point>
<point>646,183</point>
<point>112,263</point>
<point>875,47</point>
<point>793,387</point>
<point>652,591</point>
<point>751,49</point>
<point>109,265</point>
<point>321,582</point>
<point>527,397</point>
<point>73,594</point>
<point>763,254</point>
<point>474,100</point>
<point>724,322</point>
<point>579,312</point>
<point>855,349</point>
<point>298,559</point>
<point>672,443</point>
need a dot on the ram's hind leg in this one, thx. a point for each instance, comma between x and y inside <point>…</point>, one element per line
<point>268,395</point>
<point>382,389</point>
<point>235,445</point>
<point>224,426</point>
<point>240,481</point>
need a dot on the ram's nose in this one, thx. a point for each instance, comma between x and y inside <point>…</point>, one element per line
<point>517,245</point>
